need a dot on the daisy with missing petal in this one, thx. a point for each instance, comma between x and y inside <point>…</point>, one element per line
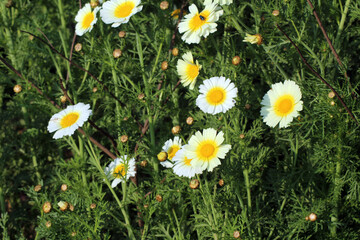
<point>205,149</point>
<point>281,104</point>
<point>171,147</point>
<point>85,19</point>
<point>182,165</point>
<point>116,12</point>
<point>188,70</point>
<point>68,120</point>
<point>253,39</point>
<point>121,169</point>
<point>196,25</point>
<point>216,95</point>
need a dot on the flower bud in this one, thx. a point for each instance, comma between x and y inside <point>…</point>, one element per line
<point>93,206</point>
<point>331,94</point>
<point>236,60</point>
<point>31,37</point>
<point>247,106</point>
<point>94,89</point>
<point>164,5</point>
<point>63,99</point>
<point>94,3</point>
<point>189,120</point>
<point>64,187</point>
<point>176,129</point>
<point>46,207</point>
<point>117,53</point>
<point>124,138</point>
<point>141,96</point>
<point>194,183</point>
<point>164,65</point>
<point>275,13</point>
<point>236,234</point>
<point>242,136</point>
<point>221,182</point>
<point>143,163</point>
<point>312,217</point>
<point>175,52</point>
<point>332,103</point>
<point>17,88</point>
<point>146,206</point>
<point>73,234</point>
<point>37,188</point>
<point>48,224</point>
<point>162,156</point>
<point>122,34</point>
<point>63,205</point>
<point>78,47</point>
<point>159,198</point>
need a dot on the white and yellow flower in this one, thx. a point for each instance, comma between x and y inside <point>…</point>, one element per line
<point>85,19</point>
<point>220,2</point>
<point>171,147</point>
<point>68,120</point>
<point>206,149</point>
<point>281,104</point>
<point>216,95</point>
<point>199,24</point>
<point>183,166</point>
<point>120,170</point>
<point>116,12</point>
<point>188,70</point>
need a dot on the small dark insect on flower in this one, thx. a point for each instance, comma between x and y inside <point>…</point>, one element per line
<point>202,18</point>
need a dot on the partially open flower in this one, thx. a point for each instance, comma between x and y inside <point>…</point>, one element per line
<point>46,207</point>
<point>253,39</point>
<point>63,205</point>
<point>176,129</point>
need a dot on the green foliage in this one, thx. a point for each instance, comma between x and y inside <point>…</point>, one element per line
<point>273,178</point>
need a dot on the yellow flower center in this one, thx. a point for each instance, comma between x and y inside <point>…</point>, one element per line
<point>172,150</point>
<point>207,150</point>
<point>284,105</point>
<point>187,161</point>
<point>119,171</point>
<point>192,71</point>
<point>88,19</point>
<point>69,119</point>
<point>216,96</point>
<point>199,20</point>
<point>124,9</point>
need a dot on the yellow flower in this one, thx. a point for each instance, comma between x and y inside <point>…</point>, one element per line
<point>85,19</point>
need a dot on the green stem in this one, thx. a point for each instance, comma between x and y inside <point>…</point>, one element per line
<point>247,184</point>
<point>61,12</point>
<point>152,142</point>
<point>342,22</point>
<point>337,195</point>
<point>2,202</point>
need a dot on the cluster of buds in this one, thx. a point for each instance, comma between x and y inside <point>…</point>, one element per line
<point>312,217</point>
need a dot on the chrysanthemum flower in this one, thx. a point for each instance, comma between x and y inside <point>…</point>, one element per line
<point>281,104</point>
<point>121,169</point>
<point>253,39</point>
<point>205,149</point>
<point>216,95</point>
<point>222,2</point>
<point>188,70</point>
<point>68,120</point>
<point>183,166</point>
<point>171,147</point>
<point>196,25</point>
<point>116,12</point>
<point>85,19</point>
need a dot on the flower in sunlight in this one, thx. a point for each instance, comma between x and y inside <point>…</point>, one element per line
<point>220,2</point>
<point>199,24</point>
<point>171,147</point>
<point>116,12</point>
<point>182,165</point>
<point>281,104</point>
<point>121,169</point>
<point>216,95</point>
<point>68,120</point>
<point>188,70</point>
<point>85,19</point>
<point>206,149</point>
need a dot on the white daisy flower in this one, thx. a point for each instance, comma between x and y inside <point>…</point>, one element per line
<point>68,120</point>
<point>183,166</point>
<point>221,2</point>
<point>171,147</point>
<point>121,169</point>
<point>85,19</point>
<point>216,95</point>
<point>281,104</point>
<point>188,70</point>
<point>116,12</point>
<point>205,149</point>
<point>253,39</point>
<point>196,25</point>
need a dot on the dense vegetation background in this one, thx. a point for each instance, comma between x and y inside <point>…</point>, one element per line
<point>272,179</point>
